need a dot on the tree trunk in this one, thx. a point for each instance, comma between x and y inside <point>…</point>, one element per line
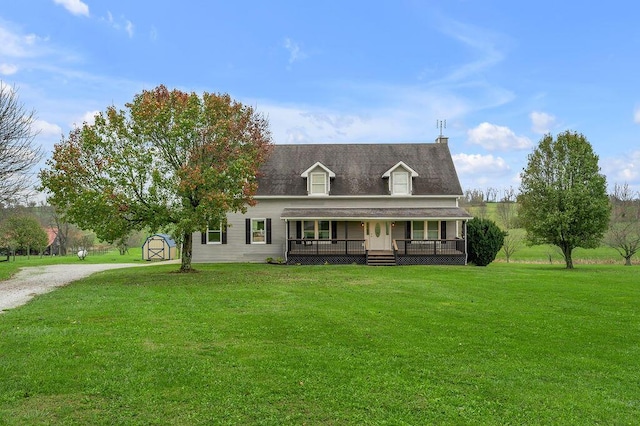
<point>187,247</point>
<point>627,260</point>
<point>566,251</point>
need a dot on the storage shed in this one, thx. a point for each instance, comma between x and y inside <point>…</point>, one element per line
<point>159,247</point>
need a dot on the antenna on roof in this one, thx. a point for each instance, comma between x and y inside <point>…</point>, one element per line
<point>441,124</point>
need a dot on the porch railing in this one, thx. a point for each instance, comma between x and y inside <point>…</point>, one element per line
<point>430,247</point>
<point>333,247</point>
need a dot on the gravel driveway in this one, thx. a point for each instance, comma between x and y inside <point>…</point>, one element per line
<point>32,281</point>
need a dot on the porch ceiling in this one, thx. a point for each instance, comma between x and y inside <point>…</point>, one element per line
<point>448,213</point>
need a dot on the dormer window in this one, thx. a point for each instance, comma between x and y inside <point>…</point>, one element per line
<point>400,179</point>
<point>318,185</point>
<point>318,179</point>
<point>400,182</point>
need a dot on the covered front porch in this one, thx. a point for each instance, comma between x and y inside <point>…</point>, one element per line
<point>376,236</point>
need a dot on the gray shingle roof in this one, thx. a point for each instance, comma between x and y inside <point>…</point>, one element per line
<point>359,168</point>
<point>376,213</point>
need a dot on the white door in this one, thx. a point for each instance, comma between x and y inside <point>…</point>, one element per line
<point>378,237</point>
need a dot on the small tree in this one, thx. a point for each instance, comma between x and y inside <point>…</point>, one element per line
<point>563,196</point>
<point>172,161</point>
<point>18,154</point>
<point>507,211</point>
<point>624,227</point>
<point>484,240</point>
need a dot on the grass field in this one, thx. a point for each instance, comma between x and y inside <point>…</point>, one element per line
<point>7,269</point>
<point>271,345</point>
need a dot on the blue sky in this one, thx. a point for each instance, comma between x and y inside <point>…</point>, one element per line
<point>501,73</point>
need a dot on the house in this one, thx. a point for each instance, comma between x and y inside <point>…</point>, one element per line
<point>347,203</point>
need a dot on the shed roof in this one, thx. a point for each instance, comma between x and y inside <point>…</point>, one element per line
<point>170,241</point>
<point>359,168</point>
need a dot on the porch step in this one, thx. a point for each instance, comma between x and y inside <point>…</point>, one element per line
<point>381,259</point>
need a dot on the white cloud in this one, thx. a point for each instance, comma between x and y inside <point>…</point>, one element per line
<point>8,69</point>
<point>541,122</point>
<point>16,45</point>
<point>89,117</point>
<point>478,163</point>
<point>47,129</point>
<point>129,28</point>
<point>636,115</point>
<point>623,169</point>
<point>295,52</point>
<point>122,25</point>
<point>493,137</point>
<point>76,7</point>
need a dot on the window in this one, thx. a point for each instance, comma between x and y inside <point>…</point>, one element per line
<point>432,230</point>
<point>214,232</point>
<point>324,230</point>
<point>258,231</point>
<point>418,230</point>
<point>309,227</point>
<point>318,185</point>
<point>400,184</point>
<point>432,227</point>
<point>317,229</point>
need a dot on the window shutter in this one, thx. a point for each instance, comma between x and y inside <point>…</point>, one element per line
<point>443,230</point>
<point>247,223</point>
<point>203,237</point>
<point>299,230</point>
<point>334,231</point>
<point>224,233</point>
<point>268,231</point>
<point>407,231</point>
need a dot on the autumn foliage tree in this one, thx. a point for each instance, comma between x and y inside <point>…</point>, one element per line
<point>170,162</point>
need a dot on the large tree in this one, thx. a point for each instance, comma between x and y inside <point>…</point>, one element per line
<point>563,196</point>
<point>23,232</point>
<point>171,162</point>
<point>624,228</point>
<point>18,153</point>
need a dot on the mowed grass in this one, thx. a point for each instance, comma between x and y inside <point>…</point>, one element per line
<point>272,345</point>
<point>9,268</point>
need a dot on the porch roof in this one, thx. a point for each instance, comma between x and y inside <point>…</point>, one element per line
<point>442,213</point>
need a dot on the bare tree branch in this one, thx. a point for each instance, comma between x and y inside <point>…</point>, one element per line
<point>18,154</point>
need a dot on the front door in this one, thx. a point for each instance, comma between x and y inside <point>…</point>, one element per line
<point>378,234</point>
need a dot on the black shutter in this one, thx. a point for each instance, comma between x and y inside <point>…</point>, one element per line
<point>247,223</point>
<point>443,230</point>
<point>268,231</point>
<point>407,231</point>
<point>203,237</point>
<point>299,230</point>
<point>224,233</point>
<point>334,231</point>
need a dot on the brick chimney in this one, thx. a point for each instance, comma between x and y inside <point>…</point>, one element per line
<point>442,139</point>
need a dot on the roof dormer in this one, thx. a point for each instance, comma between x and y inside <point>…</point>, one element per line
<point>318,179</point>
<point>400,179</point>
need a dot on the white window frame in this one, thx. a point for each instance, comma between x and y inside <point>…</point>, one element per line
<point>315,185</point>
<point>255,230</point>
<point>401,183</point>
<point>214,231</point>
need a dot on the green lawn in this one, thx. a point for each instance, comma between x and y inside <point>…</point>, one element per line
<point>271,345</point>
<point>7,269</point>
